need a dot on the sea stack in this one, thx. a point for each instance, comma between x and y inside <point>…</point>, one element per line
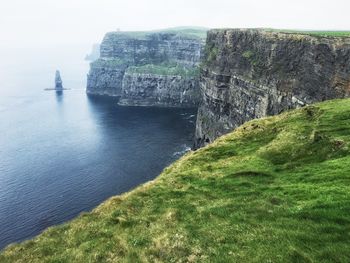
<point>58,81</point>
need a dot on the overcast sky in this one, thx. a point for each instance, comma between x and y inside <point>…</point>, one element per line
<point>44,22</point>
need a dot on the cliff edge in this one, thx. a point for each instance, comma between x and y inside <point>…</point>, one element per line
<point>252,73</point>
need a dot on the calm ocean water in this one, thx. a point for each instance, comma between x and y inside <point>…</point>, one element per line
<point>61,154</point>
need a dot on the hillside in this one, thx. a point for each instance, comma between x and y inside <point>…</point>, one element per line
<point>274,190</point>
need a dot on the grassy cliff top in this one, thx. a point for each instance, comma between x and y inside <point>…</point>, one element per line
<point>275,190</point>
<point>185,32</point>
<point>317,33</point>
<point>314,33</point>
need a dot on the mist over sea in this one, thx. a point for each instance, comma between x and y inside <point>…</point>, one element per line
<point>61,154</point>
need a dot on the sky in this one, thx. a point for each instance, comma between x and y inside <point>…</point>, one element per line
<point>52,22</point>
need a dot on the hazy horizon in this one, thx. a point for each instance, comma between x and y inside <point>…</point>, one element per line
<point>43,23</point>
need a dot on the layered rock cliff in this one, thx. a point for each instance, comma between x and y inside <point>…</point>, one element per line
<point>148,68</point>
<point>106,76</point>
<point>159,90</point>
<point>248,74</point>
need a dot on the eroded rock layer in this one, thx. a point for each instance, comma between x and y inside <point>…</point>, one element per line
<point>251,73</point>
<point>159,90</point>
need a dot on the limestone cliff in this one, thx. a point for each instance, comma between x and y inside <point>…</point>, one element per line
<point>149,68</point>
<point>253,73</point>
<point>159,90</point>
<point>105,77</point>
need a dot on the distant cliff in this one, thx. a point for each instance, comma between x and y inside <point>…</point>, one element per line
<point>248,74</point>
<point>94,54</point>
<point>149,68</point>
<point>149,89</point>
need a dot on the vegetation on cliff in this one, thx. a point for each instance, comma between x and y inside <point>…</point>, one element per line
<point>316,33</point>
<point>184,32</point>
<point>165,69</point>
<point>275,190</point>
<point>113,62</point>
<point>210,54</point>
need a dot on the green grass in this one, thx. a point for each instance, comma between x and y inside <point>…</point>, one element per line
<point>275,190</point>
<point>317,33</point>
<point>185,32</point>
<point>165,69</point>
<point>108,62</point>
<point>199,32</point>
<point>210,54</point>
<point>329,33</point>
<point>251,57</point>
<point>248,54</point>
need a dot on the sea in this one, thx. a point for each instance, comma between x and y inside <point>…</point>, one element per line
<point>62,154</point>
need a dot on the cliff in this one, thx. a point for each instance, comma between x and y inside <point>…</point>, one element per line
<point>94,54</point>
<point>149,68</point>
<point>274,190</point>
<point>106,77</point>
<point>248,74</point>
<point>146,89</point>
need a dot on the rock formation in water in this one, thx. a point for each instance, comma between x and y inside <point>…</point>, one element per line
<point>149,68</point>
<point>58,81</point>
<point>248,74</point>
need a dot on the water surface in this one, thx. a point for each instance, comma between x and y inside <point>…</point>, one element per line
<point>61,154</point>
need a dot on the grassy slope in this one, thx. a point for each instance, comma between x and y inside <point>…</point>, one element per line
<point>275,190</point>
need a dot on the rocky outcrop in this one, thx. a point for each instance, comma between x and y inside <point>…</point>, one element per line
<point>248,74</point>
<point>164,68</point>
<point>58,81</point>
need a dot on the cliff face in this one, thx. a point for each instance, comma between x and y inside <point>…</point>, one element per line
<point>140,48</point>
<point>159,90</point>
<point>105,77</point>
<point>159,68</point>
<point>249,74</point>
